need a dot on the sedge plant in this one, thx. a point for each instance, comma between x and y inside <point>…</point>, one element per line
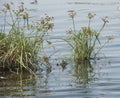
<point>84,41</point>
<point>21,46</point>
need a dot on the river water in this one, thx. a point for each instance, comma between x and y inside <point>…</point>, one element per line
<point>103,81</point>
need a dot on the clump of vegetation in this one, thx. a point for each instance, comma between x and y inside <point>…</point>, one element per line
<point>84,41</point>
<point>21,46</point>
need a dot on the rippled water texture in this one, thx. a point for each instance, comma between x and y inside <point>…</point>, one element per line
<point>103,81</point>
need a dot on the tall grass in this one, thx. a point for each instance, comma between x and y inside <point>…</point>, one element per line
<point>21,46</point>
<point>84,41</point>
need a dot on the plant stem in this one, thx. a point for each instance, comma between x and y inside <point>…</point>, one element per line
<point>74,25</point>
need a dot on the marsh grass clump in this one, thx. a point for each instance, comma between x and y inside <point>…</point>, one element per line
<point>21,47</point>
<point>85,41</point>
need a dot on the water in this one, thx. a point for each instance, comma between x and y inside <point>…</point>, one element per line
<point>103,81</point>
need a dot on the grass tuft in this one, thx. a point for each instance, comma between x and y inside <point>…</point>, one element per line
<point>22,45</point>
<point>84,41</point>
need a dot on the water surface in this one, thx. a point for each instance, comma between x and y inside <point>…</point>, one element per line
<point>103,81</point>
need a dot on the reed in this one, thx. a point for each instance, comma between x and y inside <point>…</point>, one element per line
<point>84,41</point>
<point>21,46</point>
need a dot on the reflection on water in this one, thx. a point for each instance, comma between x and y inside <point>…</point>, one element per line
<point>16,85</point>
<point>58,83</point>
<point>93,3</point>
<point>84,72</point>
<point>77,80</point>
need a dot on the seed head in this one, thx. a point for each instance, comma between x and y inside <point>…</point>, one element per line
<point>90,15</point>
<point>69,31</point>
<point>72,13</point>
<point>105,19</point>
<point>50,26</point>
<point>21,8</point>
<point>7,6</point>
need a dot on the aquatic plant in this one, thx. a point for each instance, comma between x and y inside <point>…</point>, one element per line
<point>21,47</point>
<point>85,41</point>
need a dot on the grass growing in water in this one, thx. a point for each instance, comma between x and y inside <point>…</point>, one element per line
<point>84,42</point>
<point>19,48</point>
